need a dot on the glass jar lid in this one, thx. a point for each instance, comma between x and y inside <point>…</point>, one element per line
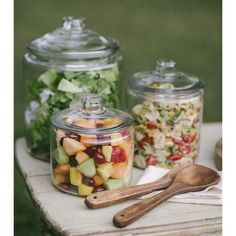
<point>165,79</point>
<point>91,117</point>
<point>73,41</point>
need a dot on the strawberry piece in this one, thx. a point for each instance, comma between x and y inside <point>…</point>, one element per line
<point>118,154</point>
<point>174,157</point>
<point>151,125</point>
<point>148,139</point>
<point>185,149</point>
<point>151,161</point>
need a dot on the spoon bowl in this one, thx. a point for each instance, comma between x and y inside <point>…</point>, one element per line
<point>190,179</point>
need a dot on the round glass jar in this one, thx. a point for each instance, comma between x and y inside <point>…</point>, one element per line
<point>59,68</point>
<point>167,109</point>
<point>92,148</point>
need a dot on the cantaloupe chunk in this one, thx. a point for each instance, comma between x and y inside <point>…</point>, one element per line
<point>120,170</point>
<point>88,140</point>
<point>62,169</point>
<point>85,123</point>
<point>72,146</point>
<point>98,180</point>
<point>116,139</point>
<point>58,178</point>
<point>81,157</point>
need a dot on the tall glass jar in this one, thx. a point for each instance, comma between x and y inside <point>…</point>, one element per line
<point>59,68</point>
<point>167,108</point>
<point>91,148</point>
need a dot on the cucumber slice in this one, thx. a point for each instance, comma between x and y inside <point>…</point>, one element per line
<point>67,86</point>
<point>87,168</point>
<point>113,184</point>
<point>60,156</point>
<point>48,77</point>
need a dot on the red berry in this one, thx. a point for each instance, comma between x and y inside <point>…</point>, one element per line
<point>178,142</point>
<point>98,189</point>
<point>99,158</point>
<point>88,181</point>
<point>151,161</point>
<point>187,138</point>
<point>118,154</point>
<point>91,150</point>
<point>185,149</point>
<point>148,139</point>
<point>174,157</point>
<point>151,125</point>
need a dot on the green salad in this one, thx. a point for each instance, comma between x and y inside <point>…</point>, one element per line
<point>53,91</point>
<point>167,134</point>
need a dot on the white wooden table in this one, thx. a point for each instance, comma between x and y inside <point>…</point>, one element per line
<point>67,215</point>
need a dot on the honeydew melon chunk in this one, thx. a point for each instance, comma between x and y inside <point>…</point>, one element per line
<point>105,170</point>
<point>113,184</point>
<point>87,168</point>
<point>60,156</point>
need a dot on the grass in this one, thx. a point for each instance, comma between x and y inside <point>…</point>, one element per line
<point>188,31</point>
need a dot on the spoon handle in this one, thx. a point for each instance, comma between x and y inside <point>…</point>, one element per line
<point>135,211</point>
<point>109,197</point>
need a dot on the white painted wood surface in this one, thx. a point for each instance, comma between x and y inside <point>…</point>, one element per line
<point>68,215</point>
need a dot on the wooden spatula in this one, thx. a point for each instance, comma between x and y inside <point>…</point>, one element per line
<point>109,197</point>
<point>190,179</point>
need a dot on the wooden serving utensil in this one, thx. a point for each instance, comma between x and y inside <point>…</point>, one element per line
<point>109,197</point>
<point>191,179</point>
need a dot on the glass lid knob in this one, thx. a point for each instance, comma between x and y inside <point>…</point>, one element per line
<point>164,65</point>
<point>92,104</point>
<point>73,23</point>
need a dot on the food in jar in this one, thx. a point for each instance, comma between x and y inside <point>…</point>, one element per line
<point>53,91</point>
<point>167,133</point>
<point>83,164</point>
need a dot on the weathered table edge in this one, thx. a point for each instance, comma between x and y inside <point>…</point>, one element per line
<point>211,226</point>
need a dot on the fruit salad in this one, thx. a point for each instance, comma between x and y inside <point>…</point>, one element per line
<point>167,133</point>
<point>53,91</point>
<point>85,163</point>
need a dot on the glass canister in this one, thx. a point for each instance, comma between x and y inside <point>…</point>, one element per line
<point>167,109</point>
<point>59,68</point>
<point>91,148</point>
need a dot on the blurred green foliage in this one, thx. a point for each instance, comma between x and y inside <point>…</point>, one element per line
<point>187,31</point>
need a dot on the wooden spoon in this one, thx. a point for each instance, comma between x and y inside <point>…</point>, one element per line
<point>109,197</point>
<point>190,179</point>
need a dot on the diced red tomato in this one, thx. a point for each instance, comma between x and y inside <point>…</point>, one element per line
<point>185,149</point>
<point>187,138</point>
<point>151,161</point>
<point>178,142</point>
<point>148,139</point>
<point>174,157</point>
<point>151,125</point>
<point>118,154</point>
<point>140,145</point>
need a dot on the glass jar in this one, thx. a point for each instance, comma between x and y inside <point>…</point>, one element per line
<point>91,148</point>
<point>59,68</point>
<point>167,109</point>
